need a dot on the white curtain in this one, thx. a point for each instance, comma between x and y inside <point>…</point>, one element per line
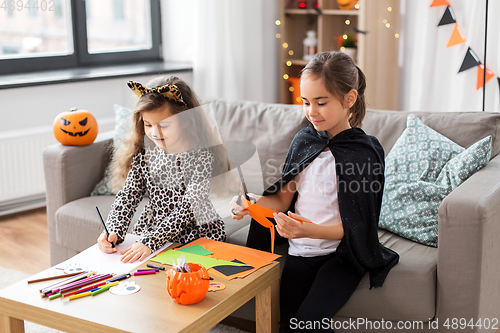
<point>236,50</point>
<point>429,71</point>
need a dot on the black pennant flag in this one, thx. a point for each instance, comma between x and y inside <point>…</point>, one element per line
<point>448,17</point>
<point>470,60</point>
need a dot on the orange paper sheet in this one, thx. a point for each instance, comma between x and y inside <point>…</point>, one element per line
<point>229,252</point>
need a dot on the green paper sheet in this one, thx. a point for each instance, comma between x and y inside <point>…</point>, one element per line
<point>207,262</point>
<point>195,249</point>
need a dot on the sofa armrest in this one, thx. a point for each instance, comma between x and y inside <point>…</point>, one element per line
<point>71,172</point>
<point>468,248</point>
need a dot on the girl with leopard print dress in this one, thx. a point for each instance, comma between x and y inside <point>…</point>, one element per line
<point>165,159</point>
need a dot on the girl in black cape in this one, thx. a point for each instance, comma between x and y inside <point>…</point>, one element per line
<point>333,176</point>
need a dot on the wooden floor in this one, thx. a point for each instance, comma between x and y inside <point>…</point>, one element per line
<point>24,240</point>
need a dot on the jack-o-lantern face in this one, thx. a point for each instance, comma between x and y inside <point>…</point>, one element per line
<point>75,128</point>
<point>188,288</point>
<point>346,4</point>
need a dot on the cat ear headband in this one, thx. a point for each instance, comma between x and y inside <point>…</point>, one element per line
<point>170,91</point>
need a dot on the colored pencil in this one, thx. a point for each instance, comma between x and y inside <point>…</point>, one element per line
<point>86,282</point>
<point>72,297</point>
<point>53,287</point>
<point>120,277</point>
<point>85,288</point>
<point>90,278</point>
<point>106,287</point>
<point>71,279</point>
<point>53,277</point>
<point>100,290</point>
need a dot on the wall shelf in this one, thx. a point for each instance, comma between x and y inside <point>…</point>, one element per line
<point>295,22</point>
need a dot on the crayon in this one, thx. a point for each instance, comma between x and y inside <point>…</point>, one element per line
<point>156,267</point>
<point>147,270</point>
<point>145,273</point>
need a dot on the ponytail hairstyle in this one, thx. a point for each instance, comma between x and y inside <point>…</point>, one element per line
<point>198,129</point>
<point>340,74</point>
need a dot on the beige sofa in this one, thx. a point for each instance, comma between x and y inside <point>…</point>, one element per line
<point>459,279</point>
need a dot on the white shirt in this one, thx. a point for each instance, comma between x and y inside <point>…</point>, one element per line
<point>318,202</point>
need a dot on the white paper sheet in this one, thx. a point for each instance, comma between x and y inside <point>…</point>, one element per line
<point>96,260</point>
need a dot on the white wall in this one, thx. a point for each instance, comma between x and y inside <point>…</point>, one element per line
<point>35,107</point>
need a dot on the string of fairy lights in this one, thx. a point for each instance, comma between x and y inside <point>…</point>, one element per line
<point>386,22</point>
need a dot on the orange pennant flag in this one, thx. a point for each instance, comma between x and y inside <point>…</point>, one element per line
<point>480,73</point>
<point>457,37</point>
<point>438,3</point>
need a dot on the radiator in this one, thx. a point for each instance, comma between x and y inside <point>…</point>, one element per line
<point>22,184</point>
<point>21,168</point>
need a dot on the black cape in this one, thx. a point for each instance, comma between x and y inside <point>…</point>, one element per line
<point>359,162</point>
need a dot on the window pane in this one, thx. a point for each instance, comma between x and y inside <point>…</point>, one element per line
<point>118,25</point>
<point>34,28</point>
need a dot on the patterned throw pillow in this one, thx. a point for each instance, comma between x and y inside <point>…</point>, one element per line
<point>421,169</point>
<point>122,116</point>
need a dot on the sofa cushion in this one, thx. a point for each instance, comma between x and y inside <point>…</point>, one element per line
<point>408,293</point>
<point>122,117</point>
<point>422,168</point>
<point>272,129</point>
<point>464,128</point>
<point>80,225</point>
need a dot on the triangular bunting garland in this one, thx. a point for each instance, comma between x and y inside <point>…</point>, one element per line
<point>480,73</point>
<point>470,60</point>
<point>437,3</point>
<point>456,37</point>
<point>448,17</point>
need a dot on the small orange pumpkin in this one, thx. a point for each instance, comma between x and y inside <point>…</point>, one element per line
<point>75,128</point>
<point>188,288</point>
<point>346,4</point>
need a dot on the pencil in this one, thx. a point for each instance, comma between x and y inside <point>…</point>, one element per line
<point>88,293</point>
<point>53,277</point>
<point>53,287</point>
<point>103,224</point>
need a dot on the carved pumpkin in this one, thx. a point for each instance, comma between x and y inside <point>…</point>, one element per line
<point>188,288</point>
<point>75,128</point>
<point>346,4</point>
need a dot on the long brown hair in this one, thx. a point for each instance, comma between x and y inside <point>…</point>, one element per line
<point>198,130</point>
<point>340,74</point>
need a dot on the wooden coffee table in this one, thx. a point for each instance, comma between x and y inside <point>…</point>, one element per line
<point>149,310</point>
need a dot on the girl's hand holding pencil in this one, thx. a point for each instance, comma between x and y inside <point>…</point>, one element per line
<point>106,242</point>
<point>138,251</point>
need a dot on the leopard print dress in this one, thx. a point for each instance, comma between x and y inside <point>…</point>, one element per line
<point>179,207</point>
